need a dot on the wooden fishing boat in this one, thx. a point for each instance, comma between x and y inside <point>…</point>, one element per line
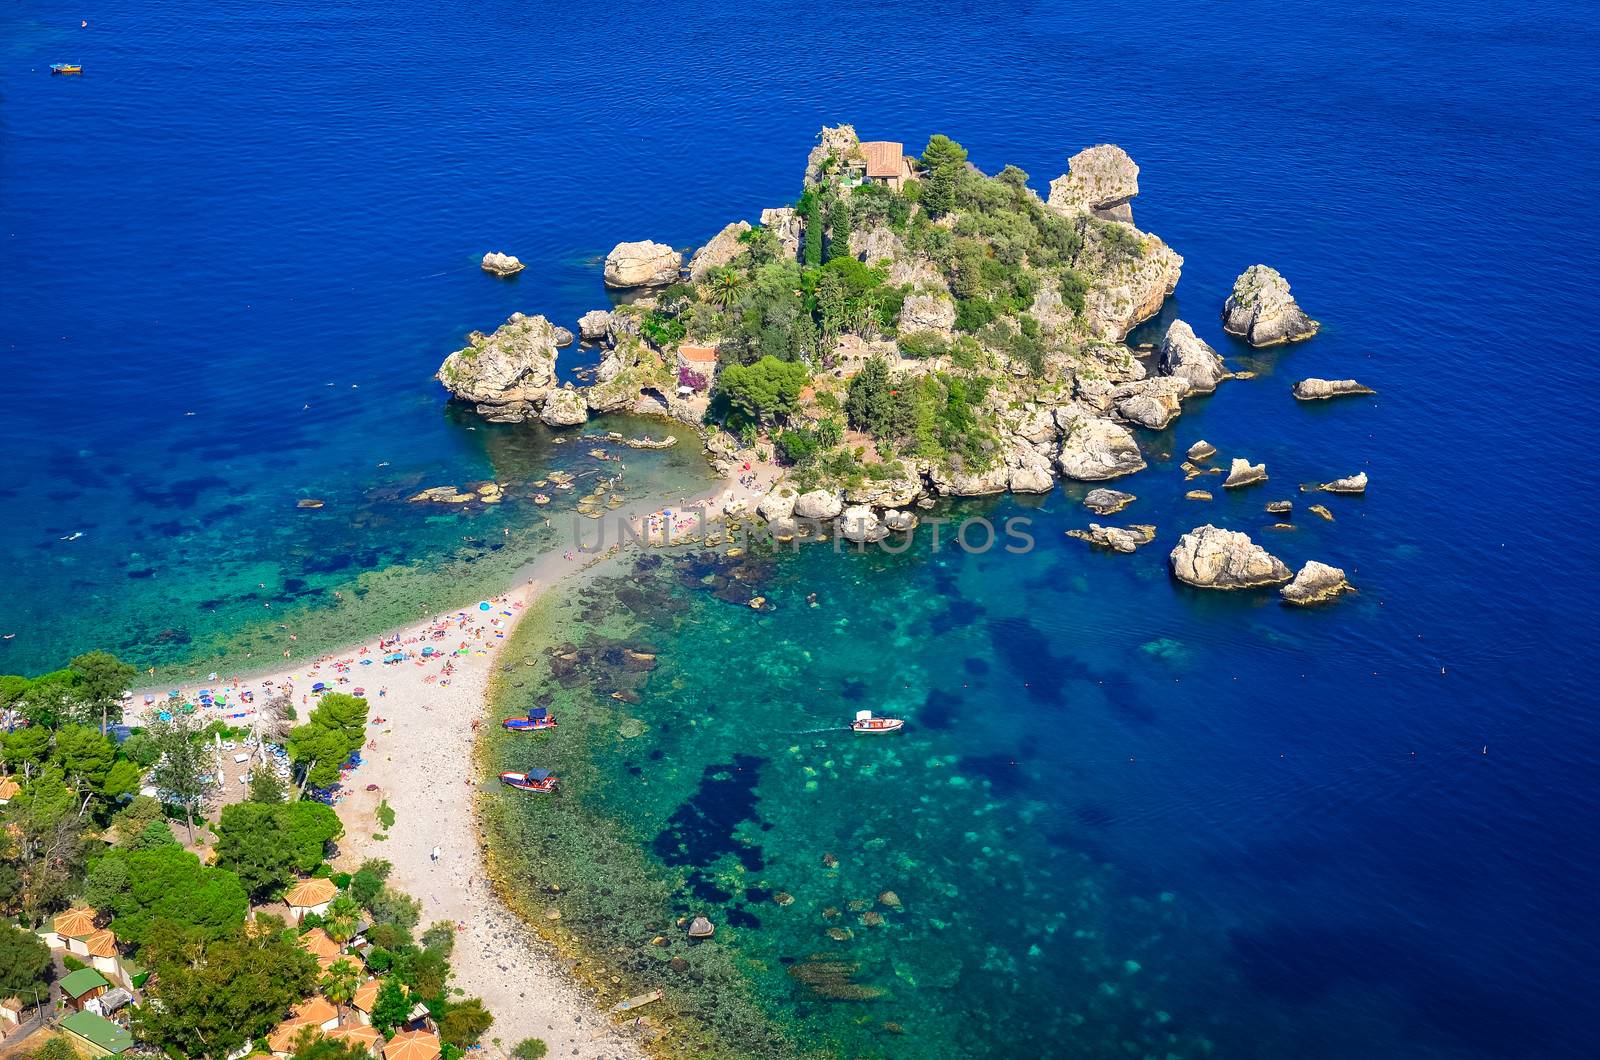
<point>867,724</point>
<point>534,780</point>
<point>538,720</point>
<point>65,68</point>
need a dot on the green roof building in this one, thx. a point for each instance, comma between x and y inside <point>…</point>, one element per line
<point>97,1034</point>
<point>83,983</point>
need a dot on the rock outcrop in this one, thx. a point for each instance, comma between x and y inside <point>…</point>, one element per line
<point>1152,403</point>
<point>1187,356</point>
<point>1314,583</point>
<point>957,482</point>
<point>1134,271</point>
<point>837,141</point>
<point>642,264</point>
<point>928,312</point>
<point>723,248</point>
<point>818,505</point>
<point>1116,538</point>
<point>1350,484</point>
<point>505,372</point>
<point>1322,389</point>
<point>1104,501</point>
<point>786,225</point>
<point>1095,449</point>
<point>1209,557</point>
<point>501,264</point>
<point>1027,469</point>
<point>1262,312</point>
<point>1201,450</point>
<point>778,503</point>
<point>1243,473</point>
<point>594,325</point>
<point>861,524</point>
<point>564,408</point>
<point>1101,180</point>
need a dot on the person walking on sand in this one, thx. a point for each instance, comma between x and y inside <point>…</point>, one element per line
<point>433,855</point>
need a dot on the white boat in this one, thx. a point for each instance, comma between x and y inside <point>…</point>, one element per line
<point>866,723</point>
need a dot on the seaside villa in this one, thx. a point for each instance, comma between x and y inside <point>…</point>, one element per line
<point>697,367</point>
<point>880,162</point>
<point>360,1036</point>
<point>366,996</point>
<point>412,1045</point>
<point>83,986</point>
<point>9,789</point>
<point>315,1013</point>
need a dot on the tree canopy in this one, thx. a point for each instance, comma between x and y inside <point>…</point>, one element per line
<point>25,962</point>
<point>141,887</point>
<point>336,729</point>
<point>267,844</point>
<point>217,994</point>
<point>764,391</point>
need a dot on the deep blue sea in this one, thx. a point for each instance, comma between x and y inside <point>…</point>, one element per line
<point>236,249</point>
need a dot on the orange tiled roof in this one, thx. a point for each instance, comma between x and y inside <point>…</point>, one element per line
<point>412,1045</point>
<point>358,1034</point>
<point>308,893</point>
<point>314,1010</point>
<point>317,943</point>
<point>283,1036</point>
<point>883,157</point>
<point>698,354</point>
<point>9,789</point>
<point>75,924</point>
<point>367,994</point>
<point>102,943</point>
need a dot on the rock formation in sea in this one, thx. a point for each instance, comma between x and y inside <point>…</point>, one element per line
<point>564,408</point>
<point>595,325</point>
<point>642,264</point>
<point>1356,483</point>
<point>1095,449</point>
<point>1201,450</point>
<point>501,264</point>
<point>1243,473</point>
<point>1314,583</point>
<point>1104,501</point>
<point>1322,389</point>
<point>1189,357</point>
<point>1262,312</point>
<point>1116,538</point>
<point>504,374</point>
<point>1209,557</point>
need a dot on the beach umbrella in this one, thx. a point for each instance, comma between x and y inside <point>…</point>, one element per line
<point>484,606</point>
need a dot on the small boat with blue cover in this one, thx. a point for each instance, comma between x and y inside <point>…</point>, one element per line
<point>534,780</point>
<point>538,720</point>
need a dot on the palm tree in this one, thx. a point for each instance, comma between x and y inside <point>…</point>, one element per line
<point>340,982</point>
<point>725,288</point>
<point>340,921</point>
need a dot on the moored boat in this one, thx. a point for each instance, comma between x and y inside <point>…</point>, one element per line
<point>866,723</point>
<point>65,68</point>
<point>538,720</point>
<point>536,780</point>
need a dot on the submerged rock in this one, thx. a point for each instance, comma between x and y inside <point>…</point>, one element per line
<point>1095,449</point>
<point>1315,583</point>
<point>1350,484</point>
<point>1262,312</point>
<point>701,928</point>
<point>1189,357</point>
<point>1322,511</point>
<point>1322,389</point>
<point>1243,473</point>
<point>501,264</point>
<point>1104,501</point>
<point>642,264</point>
<point>1209,557</point>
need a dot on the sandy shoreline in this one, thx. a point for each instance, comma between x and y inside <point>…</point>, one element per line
<point>420,757</point>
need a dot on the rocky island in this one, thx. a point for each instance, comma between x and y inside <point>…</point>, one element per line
<point>911,328</point>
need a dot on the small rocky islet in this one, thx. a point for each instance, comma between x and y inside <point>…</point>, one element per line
<point>911,329</point>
